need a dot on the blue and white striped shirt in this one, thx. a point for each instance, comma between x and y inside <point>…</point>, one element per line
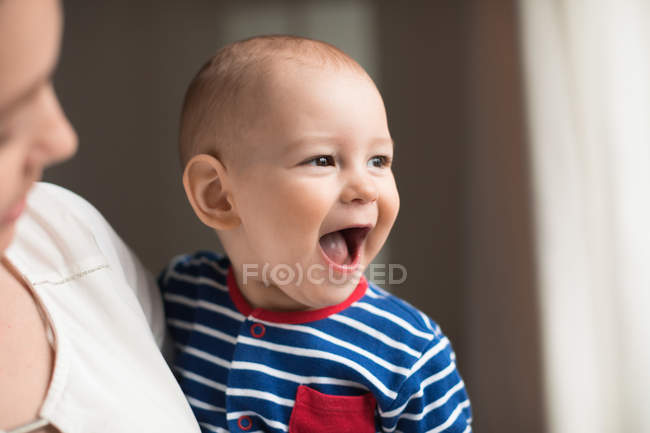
<point>254,370</point>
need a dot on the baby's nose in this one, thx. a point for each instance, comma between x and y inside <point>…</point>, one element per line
<point>360,189</point>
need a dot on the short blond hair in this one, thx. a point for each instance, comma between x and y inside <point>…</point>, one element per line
<point>211,117</point>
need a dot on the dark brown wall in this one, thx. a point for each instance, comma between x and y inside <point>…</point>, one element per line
<point>501,319</point>
<point>122,75</point>
<point>423,56</point>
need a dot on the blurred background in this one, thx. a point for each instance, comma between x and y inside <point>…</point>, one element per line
<point>522,159</point>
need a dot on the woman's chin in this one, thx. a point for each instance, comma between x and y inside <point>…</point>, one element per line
<point>6,236</point>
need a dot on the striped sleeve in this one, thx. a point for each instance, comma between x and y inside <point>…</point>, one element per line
<point>167,344</point>
<point>433,398</point>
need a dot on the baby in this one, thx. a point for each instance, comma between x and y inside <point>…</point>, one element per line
<point>287,156</point>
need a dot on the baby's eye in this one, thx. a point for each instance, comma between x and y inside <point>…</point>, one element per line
<point>379,161</point>
<point>321,161</point>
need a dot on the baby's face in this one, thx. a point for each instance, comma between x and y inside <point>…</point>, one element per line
<point>313,187</point>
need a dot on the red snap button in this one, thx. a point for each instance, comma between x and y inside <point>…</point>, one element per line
<point>245,422</point>
<point>258,330</point>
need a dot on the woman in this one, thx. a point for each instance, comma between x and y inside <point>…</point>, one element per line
<point>80,319</point>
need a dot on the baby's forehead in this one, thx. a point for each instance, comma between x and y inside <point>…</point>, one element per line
<point>267,85</point>
<point>275,81</point>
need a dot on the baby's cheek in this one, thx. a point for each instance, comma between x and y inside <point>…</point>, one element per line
<point>387,207</point>
<point>286,221</point>
<point>388,203</point>
<point>306,202</point>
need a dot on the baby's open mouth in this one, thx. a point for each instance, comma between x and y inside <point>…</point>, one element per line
<point>342,247</point>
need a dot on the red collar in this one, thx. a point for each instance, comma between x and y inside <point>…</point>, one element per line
<point>291,317</point>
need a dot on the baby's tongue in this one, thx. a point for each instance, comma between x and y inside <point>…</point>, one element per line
<point>333,244</point>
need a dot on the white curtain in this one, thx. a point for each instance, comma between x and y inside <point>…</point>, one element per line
<point>587,76</point>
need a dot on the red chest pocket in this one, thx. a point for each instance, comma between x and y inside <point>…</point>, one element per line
<point>315,412</point>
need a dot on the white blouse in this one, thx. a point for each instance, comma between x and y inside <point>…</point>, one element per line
<point>107,320</point>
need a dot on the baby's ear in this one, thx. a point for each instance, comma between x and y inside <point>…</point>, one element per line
<point>206,185</point>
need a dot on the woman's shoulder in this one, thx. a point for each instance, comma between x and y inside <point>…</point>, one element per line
<point>106,315</point>
<point>55,199</point>
<point>59,232</point>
